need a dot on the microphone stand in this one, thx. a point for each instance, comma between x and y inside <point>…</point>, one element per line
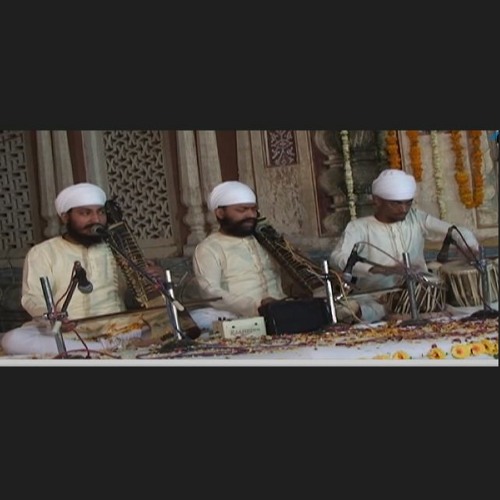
<point>329,292</point>
<point>55,317</point>
<point>482,266</point>
<point>180,337</point>
<point>410,286</point>
<point>172,308</point>
<point>165,289</point>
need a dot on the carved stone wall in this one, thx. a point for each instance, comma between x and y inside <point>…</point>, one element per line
<point>278,165</point>
<point>17,229</point>
<point>139,180</point>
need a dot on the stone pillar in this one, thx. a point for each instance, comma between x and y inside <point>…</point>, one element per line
<point>245,164</point>
<point>210,170</point>
<point>191,194</point>
<point>51,179</point>
<point>95,162</point>
<point>62,159</point>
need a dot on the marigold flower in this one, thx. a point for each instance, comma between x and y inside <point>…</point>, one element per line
<point>477,348</point>
<point>460,351</point>
<point>436,353</point>
<point>382,356</point>
<point>400,355</point>
<point>495,348</point>
<point>489,346</point>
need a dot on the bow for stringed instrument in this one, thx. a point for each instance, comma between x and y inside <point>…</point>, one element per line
<point>147,294</point>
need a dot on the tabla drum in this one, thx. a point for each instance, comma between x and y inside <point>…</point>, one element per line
<point>464,283</point>
<point>430,296</point>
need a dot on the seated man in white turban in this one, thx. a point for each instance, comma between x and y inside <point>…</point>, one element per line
<point>231,263</point>
<point>101,290</point>
<point>381,239</point>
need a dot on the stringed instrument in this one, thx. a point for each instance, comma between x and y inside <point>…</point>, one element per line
<point>148,295</point>
<point>300,268</point>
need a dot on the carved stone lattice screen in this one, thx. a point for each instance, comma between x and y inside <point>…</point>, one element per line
<point>16,223</point>
<point>138,181</point>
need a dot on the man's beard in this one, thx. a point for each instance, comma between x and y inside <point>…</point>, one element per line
<point>84,239</point>
<point>397,218</point>
<point>236,228</point>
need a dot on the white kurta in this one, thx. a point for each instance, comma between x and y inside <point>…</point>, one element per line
<point>237,269</point>
<point>54,259</point>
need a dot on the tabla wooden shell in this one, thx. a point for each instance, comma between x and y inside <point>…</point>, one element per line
<point>430,296</point>
<point>464,285</point>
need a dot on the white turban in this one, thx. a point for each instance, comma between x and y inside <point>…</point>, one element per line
<point>230,193</point>
<point>394,184</point>
<point>79,195</point>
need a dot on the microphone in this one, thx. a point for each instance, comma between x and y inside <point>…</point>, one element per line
<point>98,230</point>
<point>442,256</point>
<point>353,258</point>
<point>84,285</point>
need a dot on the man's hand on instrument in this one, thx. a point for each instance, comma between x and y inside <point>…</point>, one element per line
<point>155,270</point>
<point>470,253</point>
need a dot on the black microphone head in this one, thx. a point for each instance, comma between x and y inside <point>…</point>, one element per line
<point>84,285</point>
<point>98,230</point>
<point>87,288</point>
<point>442,255</point>
<point>347,277</point>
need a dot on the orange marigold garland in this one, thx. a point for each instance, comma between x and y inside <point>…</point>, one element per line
<point>461,175</point>
<point>477,164</point>
<point>415,156</point>
<point>392,149</point>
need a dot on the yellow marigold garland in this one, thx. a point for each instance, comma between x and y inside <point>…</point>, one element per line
<point>461,175</point>
<point>392,149</point>
<point>415,155</point>
<point>477,164</point>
